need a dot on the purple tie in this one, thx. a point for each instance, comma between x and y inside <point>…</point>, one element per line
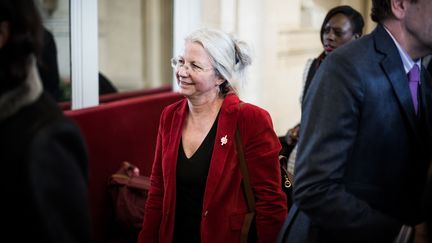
<point>413,80</point>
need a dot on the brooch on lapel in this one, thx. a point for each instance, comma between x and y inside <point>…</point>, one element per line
<point>224,140</point>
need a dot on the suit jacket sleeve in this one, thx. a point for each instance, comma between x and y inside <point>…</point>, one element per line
<point>331,112</point>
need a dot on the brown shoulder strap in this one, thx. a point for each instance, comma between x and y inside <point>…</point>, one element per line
<point>244,171</point>
<point>250,200</point>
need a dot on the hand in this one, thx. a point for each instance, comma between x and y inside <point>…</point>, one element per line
<point>292,135</point>
<point>130,169</point>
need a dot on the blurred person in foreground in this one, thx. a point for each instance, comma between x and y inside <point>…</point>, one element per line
<point>44,161</point>
<point>365,144</point>
<point>196,193</point>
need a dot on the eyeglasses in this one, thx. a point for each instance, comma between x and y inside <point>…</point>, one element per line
<point>178,62</point>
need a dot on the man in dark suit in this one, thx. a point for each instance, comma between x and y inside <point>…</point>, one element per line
<point>366,135</point>
<point>429,209</point>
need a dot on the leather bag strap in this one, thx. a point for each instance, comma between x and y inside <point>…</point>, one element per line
<point>245,174</point>
<point>250,200</point>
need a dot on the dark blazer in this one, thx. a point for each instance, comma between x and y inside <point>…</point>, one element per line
<point>428,201</point>
<point>224,206</point>
<point>428,204</point>
<point>44,176</point>
<point>363,154</point>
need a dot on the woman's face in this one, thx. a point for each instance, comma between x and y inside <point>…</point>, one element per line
<point>195,74</point>
<point>337,31</point>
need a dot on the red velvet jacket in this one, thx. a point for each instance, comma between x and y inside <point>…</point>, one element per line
<point>224,205</point>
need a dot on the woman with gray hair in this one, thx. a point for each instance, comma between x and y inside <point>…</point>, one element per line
<point>196,193</point>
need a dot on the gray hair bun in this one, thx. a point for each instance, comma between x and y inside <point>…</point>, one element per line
<point>230,56</point>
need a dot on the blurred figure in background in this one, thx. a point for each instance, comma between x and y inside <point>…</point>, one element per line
<point>44,160</point>
<point>105,85</point>
<point>341,25</point>
<point>48,66</point>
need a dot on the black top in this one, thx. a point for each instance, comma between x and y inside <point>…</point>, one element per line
<point>191,182</point>
<point>311,72</point>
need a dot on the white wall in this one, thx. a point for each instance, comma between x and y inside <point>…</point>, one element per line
<point>121,43</point>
